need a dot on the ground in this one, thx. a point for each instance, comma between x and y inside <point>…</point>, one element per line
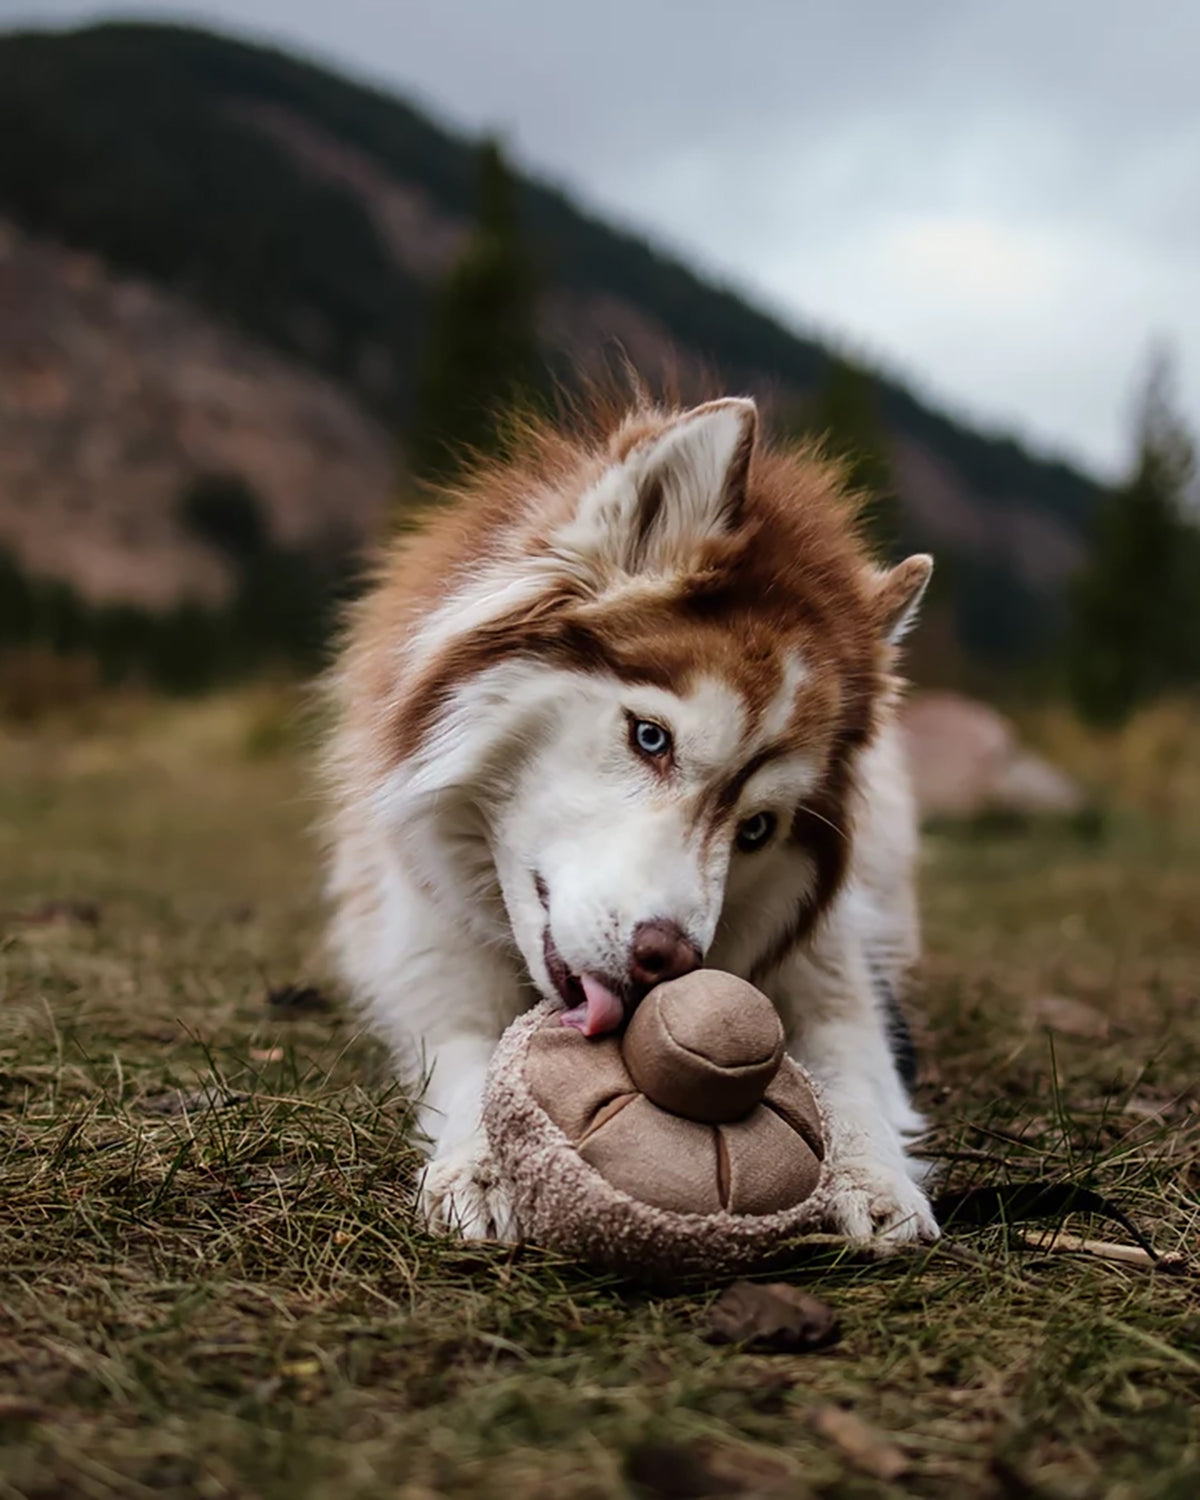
<point>211,1283</point>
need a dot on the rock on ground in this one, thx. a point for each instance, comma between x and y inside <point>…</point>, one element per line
<point>966,759</point>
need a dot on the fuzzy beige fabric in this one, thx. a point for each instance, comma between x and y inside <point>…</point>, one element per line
<point>705,1046</point>
<point>601,1171</point>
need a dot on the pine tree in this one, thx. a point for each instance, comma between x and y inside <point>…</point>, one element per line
<point>482,352</point>
<point>1136,604</point>
<point>844,416</point>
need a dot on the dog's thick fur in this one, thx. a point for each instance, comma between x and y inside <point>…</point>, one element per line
<point>499,829</point>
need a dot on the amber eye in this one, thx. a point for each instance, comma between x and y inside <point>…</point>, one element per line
<point>650,738</point>
<point>754,832</point>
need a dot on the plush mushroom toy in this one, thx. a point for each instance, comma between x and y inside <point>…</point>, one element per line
<point>688,1144</point>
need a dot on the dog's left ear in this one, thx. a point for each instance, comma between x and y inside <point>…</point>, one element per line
<point>691,479</point>
<point>672,491</point>
<point>898,595</point>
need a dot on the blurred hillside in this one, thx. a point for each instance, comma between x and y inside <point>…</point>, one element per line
<point>216,259</point>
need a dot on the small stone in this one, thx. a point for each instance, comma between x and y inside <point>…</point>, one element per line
<point>1070,1017</point>
<point>771,1319</point>
<point>298,999</point>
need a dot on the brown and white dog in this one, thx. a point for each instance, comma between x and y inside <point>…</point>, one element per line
<point>623,706</point>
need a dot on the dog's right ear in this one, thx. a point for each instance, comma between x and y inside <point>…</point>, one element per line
<point>898,595</point>
<point>672,491</point>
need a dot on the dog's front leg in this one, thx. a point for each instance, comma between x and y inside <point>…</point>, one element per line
<point>837,1030</point>
<point>443,1001</point>
<point>460,1189</point>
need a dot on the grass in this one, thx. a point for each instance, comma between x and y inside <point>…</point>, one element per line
<point>212,1283</point>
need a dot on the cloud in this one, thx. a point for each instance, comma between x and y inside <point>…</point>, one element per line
<point>997,201</point>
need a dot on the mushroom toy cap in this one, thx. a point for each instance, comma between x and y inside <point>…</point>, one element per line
<point>705,1046</point>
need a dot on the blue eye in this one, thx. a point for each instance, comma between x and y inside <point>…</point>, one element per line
<point>650,738</point>
<point>754,832</point>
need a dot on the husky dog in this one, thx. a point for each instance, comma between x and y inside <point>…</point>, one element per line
<point>624,706</point>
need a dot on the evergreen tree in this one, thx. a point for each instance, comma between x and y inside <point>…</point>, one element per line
<point>1136,604</point>
<point>482,353</point>
<point>844,415</point>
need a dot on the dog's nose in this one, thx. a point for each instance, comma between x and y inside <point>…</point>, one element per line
<point>660,951</point>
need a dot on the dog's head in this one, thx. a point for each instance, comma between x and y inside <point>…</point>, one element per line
<point>648,703</point>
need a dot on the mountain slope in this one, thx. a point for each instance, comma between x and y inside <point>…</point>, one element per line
<point>114,394</point>
<point>314,215</point>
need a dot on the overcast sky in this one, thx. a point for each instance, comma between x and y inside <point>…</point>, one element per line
<point>999,201</point>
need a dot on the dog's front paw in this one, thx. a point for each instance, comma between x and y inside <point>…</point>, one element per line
<point>880,1205</point>
<point>461,1193</point>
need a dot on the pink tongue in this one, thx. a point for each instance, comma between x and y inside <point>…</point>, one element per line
<point>601,1012</point>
